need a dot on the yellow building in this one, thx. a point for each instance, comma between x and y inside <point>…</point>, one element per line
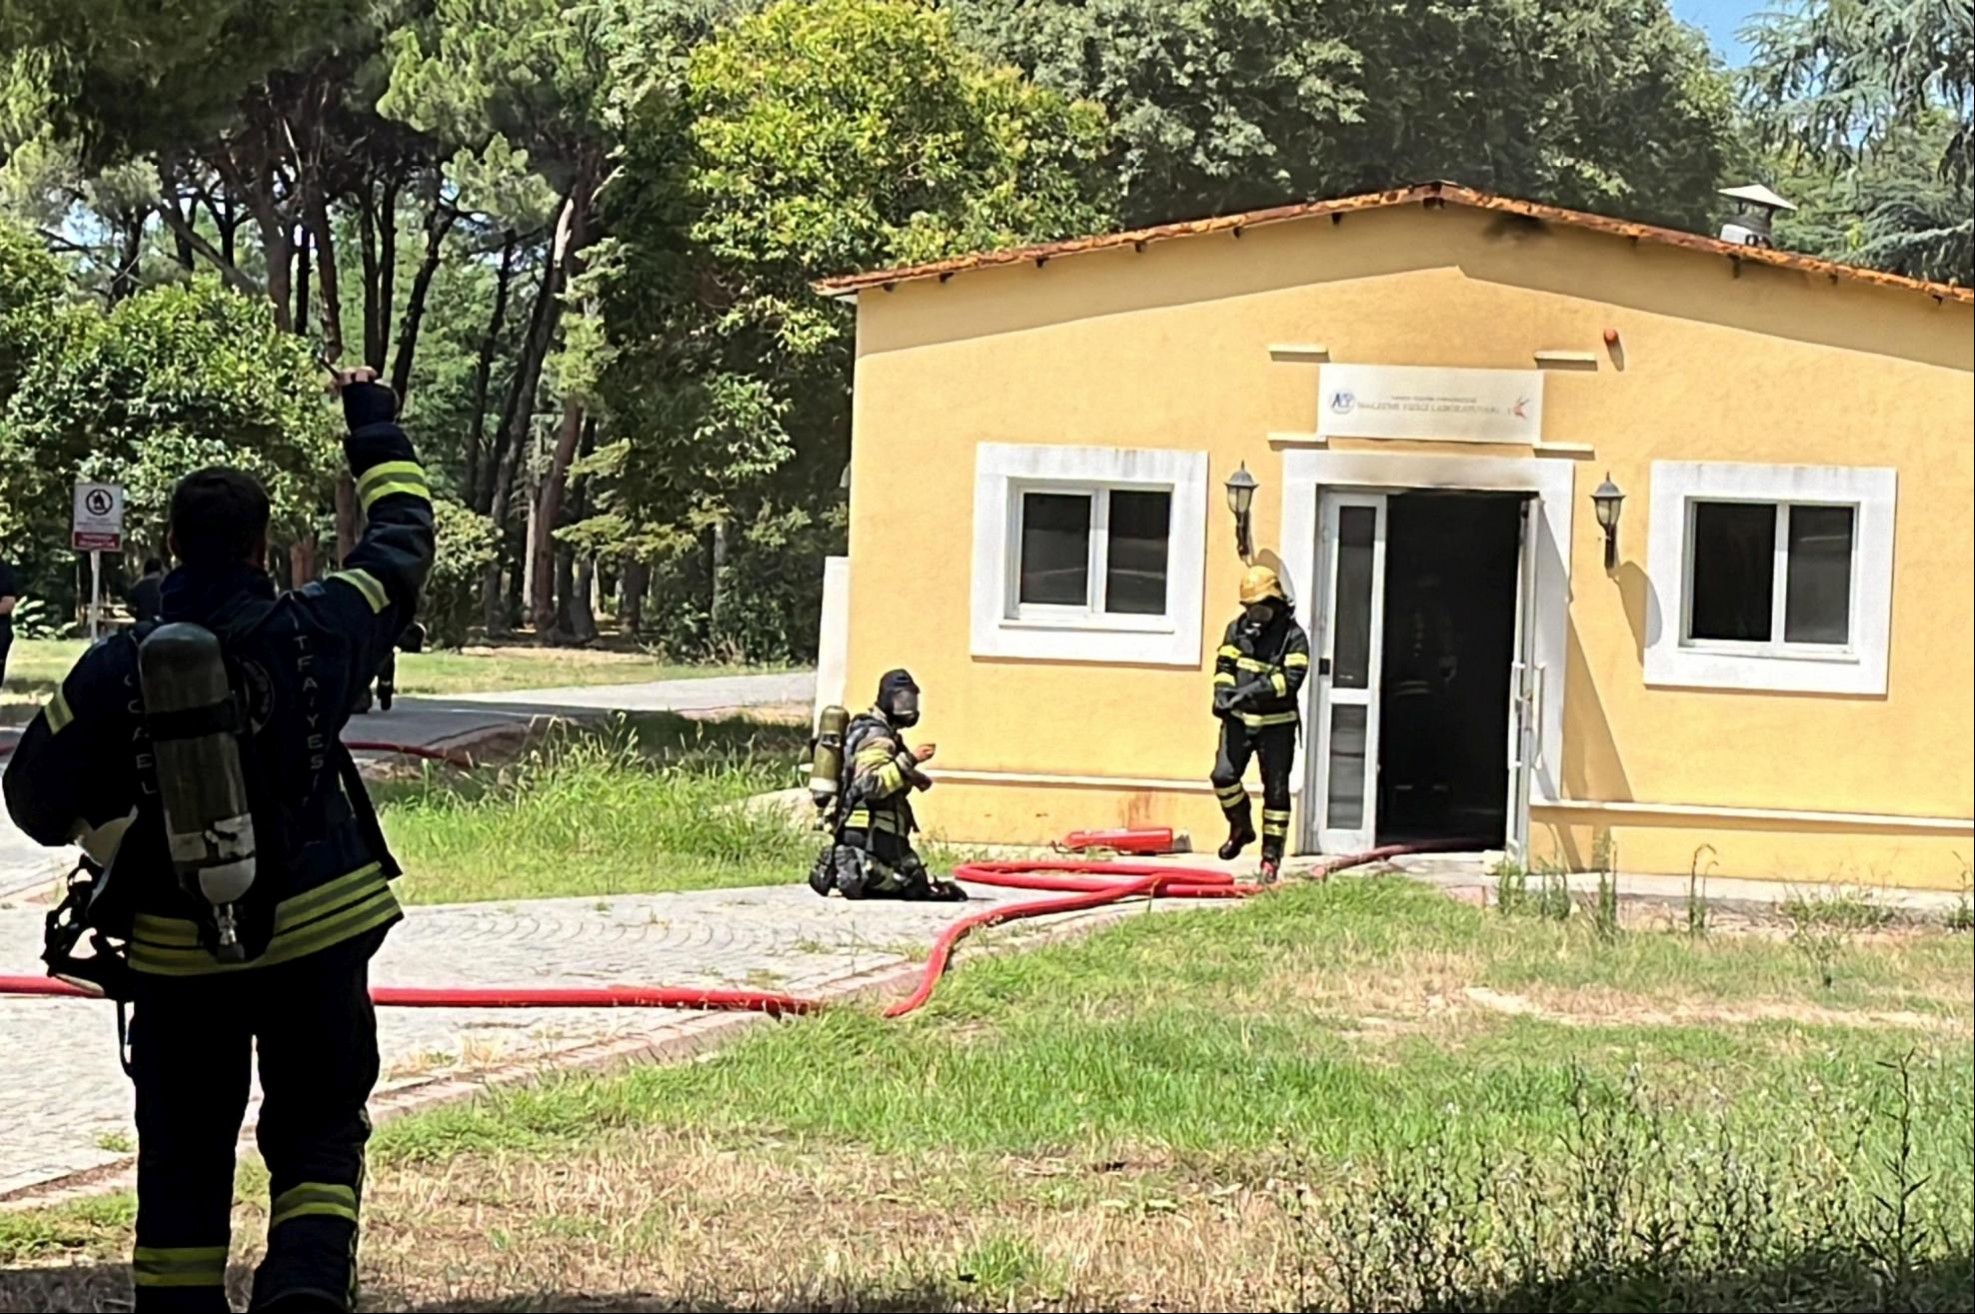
<point>1429,386</point>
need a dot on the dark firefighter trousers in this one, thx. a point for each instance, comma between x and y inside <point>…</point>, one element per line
<point>1276,746</point>
<point>191,1041</point>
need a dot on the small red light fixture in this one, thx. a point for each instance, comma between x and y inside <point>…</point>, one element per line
<point>1611,337</point>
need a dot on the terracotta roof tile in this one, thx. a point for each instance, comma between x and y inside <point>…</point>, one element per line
<point>1437,193</point>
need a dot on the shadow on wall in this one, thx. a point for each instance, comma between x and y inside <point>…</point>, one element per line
<point>1593,768</point>
<point>1642,607</point>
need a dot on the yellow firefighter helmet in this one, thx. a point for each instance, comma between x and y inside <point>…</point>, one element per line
<point>1260,582</point>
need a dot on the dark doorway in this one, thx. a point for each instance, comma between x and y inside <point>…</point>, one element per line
<point>1450,623</point>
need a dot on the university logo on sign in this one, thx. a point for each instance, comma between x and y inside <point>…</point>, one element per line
<point>98,520</point>
<point>1447,405</point>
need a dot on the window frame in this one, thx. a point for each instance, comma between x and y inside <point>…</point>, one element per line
<point>1673,659</point>
<point>1777,645</point>
<point>1097,560</point>
<point>1004,627</point>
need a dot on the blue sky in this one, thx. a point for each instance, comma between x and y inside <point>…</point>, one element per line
<point>1721,19</point>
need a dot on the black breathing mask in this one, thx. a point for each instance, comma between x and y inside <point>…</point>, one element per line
<point>898,699</point>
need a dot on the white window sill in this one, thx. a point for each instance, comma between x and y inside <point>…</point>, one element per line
<point>1092,623</point>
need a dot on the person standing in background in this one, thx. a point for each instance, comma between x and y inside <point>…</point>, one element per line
<point>147,594</point>
<point>10,593</point>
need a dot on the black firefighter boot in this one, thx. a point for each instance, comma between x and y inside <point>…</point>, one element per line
<point>1241,833</point>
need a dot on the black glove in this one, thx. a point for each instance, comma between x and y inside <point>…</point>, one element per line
<point>368,403</point>
<point>1223,699</point>
<point>1246,694</point>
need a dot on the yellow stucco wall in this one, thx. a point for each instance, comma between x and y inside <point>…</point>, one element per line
<point>1168,348</point>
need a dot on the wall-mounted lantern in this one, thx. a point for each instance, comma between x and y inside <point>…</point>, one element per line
<point>1241,500</point>
<point>1608,499</point>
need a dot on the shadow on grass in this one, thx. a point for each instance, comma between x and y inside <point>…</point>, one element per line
<point>1829,1283</point>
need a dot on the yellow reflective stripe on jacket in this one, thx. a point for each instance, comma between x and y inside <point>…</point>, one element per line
<point>1224,677</point>
<point>390,477</point>
<point>1280,683</point>
<point>866,819</point>
<point>1230,652</point>
<point>179,1266</point>
<point>314,1200</point>
<point>1297,659</point>
<point>1252,664</point>
<point>305,924</point>
<point>57,711</point>
<point>1254,720</point>
<point>363,582</point>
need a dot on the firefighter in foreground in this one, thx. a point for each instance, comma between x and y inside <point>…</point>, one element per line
<point>237,882</point>
<point>1258,674</point>
<point>867,781</point>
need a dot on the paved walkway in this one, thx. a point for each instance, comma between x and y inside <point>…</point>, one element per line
<point>26,867</point>
<point>67,1108</point>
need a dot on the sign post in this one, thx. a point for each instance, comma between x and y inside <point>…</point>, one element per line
<point>97,528</point>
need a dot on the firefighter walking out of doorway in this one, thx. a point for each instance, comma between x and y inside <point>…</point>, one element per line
<point>198,760</point>
<point>1258,674</point>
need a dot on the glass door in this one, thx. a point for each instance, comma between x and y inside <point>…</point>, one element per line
<point>1351,622</point>
<point>1525,693</point>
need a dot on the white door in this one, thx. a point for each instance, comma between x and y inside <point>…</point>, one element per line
<point>1525,691</point>
<point>1350,613</point>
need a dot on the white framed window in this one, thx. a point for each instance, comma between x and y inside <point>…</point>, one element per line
<point>1770,577</point>
<point>1088,553</point>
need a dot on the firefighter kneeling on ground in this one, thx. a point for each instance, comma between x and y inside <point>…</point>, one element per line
<point>872,855</point>
<point>1258,673</point>
<point>247,883</point>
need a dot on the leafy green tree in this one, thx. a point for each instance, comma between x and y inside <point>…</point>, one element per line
<point>1867,105</point>
<point>1223,105</point>
<point>171,379</point>
<point>812,136</point>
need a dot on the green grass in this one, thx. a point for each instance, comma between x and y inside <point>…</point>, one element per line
<point>650,805</point>
<point>1357,1096</point>
<point>1169,1031</point>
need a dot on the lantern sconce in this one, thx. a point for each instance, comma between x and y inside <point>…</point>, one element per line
<point>1608,500</point>
<point>1241,500</point>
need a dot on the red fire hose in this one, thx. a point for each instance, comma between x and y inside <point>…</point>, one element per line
<point>1078,885</point>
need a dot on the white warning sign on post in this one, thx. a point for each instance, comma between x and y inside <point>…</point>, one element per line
<point>98,525</point>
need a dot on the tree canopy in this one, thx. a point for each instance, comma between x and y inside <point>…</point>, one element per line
<point>579,236</point>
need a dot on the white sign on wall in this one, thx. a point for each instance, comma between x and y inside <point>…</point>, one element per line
<point>1409,401</point>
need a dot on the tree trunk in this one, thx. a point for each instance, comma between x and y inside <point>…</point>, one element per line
<point>542,599</point>
<point>373,312</point>
<point>301,561</point>
<point>387,269</point>
<point>633,581</point>
<point>329,299</point>
<point>181,242</point>
<point>482,374</point>
<point>438,223</point>
<point>581,605</point>
<point>519,412</point>
<point>130,250</point>
<point>565,590</point>
<point>541,543</point>
<point>301,280</point>
<point>276,244</point>
<point>716,599</point>
<point>190,241</point>
<point>528,556</point>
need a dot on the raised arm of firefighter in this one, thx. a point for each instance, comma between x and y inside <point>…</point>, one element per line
<point>375,595</point>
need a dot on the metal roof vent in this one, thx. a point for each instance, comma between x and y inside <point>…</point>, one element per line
<point>1759,208</point>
